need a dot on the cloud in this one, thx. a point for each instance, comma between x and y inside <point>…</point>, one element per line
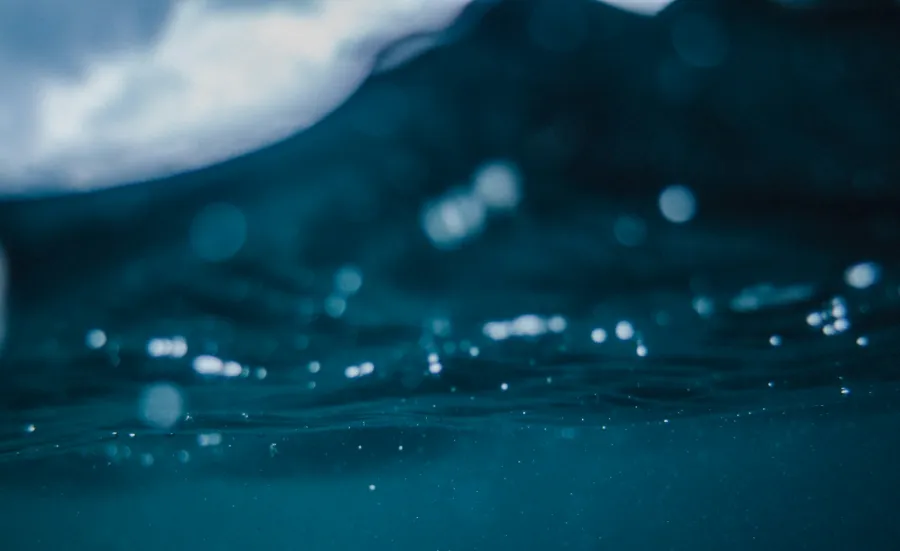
<point>213,80</point>
<point>644,7</point>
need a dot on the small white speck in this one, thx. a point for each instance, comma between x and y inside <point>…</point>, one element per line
<point>775,340</point>
<point>598,335</point>
<point>862,341</point>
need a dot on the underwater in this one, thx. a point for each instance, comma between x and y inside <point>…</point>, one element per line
<point>450,275</point>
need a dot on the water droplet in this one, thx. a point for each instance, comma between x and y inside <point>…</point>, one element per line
<point>598,335</point>
<point>497,185</point>
<point>95,339</point>
<point>161,405</point>
<point>348,280</point>
<point>862,275</point>
<point>677,204</point>
<point>335,306</point>
<point>453,219</point>
<point>624,330</point>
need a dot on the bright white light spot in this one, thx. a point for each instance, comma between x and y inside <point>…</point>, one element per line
<point>314,367</point>
<point>179,347</point>
<point>497,185</point>
<point>233,369</point>
<point>504,387</point>
<point>208,365</point>
<point>641,350</point>
<point>162,347</point>
<point>775,340</point>
<point>624,330</point>
<point>366,368</point>
<point>95,339</point>
<point>845,391</point>
<point>352,372</point>
<point>598,335</point>
<point>30,428</point>
<point>862,341</point>
<point>371,487</point>
<point>841,325</point>
<point>474,351</point>
<point>557,324</point>
<point>529,325</point>
<point>829,330</point>
<point>496,330</point>
<point>814,319</point>
<point>435,368</point>
<point>161,405</point>
<point>838,308</point>
<point>862,275</point>
<point>677,204</point>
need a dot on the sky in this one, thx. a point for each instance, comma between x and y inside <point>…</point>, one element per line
<point>109,91</point>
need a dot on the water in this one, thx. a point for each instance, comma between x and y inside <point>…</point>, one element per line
<point>575,279</point>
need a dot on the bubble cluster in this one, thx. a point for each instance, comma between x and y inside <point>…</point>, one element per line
<point>526,325</point>
<point>463,212</point>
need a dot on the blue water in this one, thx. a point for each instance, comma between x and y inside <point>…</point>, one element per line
<point>574,279</point>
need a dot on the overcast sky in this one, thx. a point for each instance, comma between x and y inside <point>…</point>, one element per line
<point>106,91</point>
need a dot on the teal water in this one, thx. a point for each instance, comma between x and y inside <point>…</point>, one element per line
<point>573,279</point>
